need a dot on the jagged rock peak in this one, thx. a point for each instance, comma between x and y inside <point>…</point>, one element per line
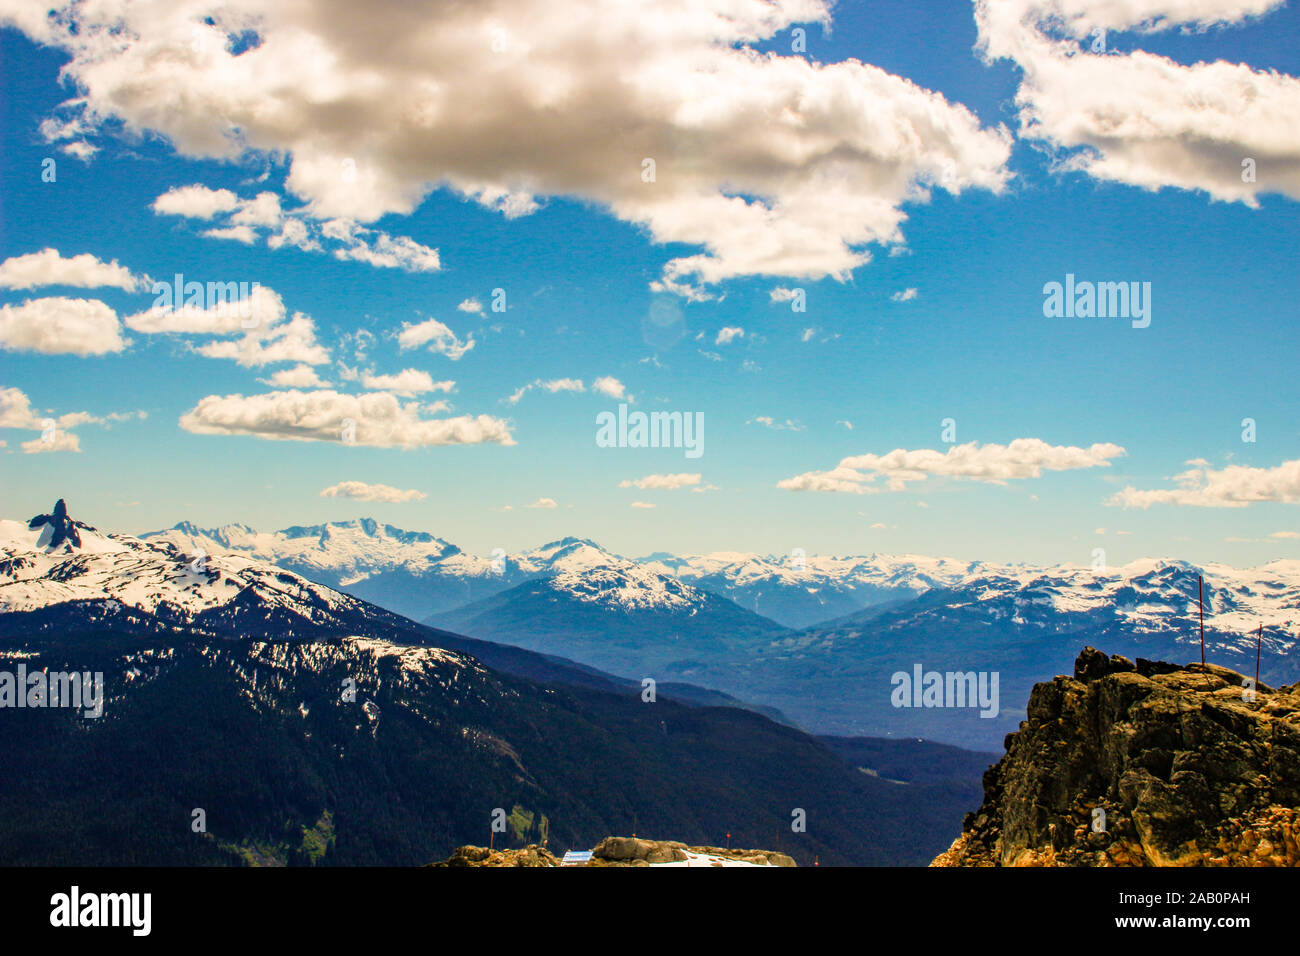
<point>1143,763</point>
<point>59,528</point>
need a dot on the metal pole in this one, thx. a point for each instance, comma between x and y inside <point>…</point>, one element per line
<point>1258,641</point>
<point>1200,599</point>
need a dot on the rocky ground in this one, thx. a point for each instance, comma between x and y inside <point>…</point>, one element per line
<point>615,851</point>
<point>1187,772</point>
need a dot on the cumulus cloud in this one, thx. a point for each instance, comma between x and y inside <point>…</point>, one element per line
<point>264,337</point>
<point>471,305</point>
<point>728,334</point>
<point>247,220</point>
<point>195,202</point>
<point>610,387</point>
<point>294,341</point>
<point>409,381</point>
<point>768,164</point>
<point>906,295</point>
<point>244,234</point>
<point>16,412</point>
<point>996,464</point>
<point>546,503</point>
<point>214,309</point>
<point>364,492</point>
<point>300,376</point>
<point>376,419</point>
<point>438,337</point>
<point>49,267</point>
<point>1235,486</point>
<point>664,482</point>
<point>1143,119</point>
<point>59,326</point>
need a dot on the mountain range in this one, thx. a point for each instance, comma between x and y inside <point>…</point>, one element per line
<point>819,638</point>
<point>251,715</point>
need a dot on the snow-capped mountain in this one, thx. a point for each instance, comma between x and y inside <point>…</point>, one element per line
<point>800,590</point>
<point>613,613</point>
<point>310,726</point>
<point>162,585</point>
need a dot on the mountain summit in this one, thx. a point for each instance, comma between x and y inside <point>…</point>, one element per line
<point>59,528</point>
<point>1143,764</point>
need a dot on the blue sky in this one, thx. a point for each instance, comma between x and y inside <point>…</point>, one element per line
<point>971,343</point>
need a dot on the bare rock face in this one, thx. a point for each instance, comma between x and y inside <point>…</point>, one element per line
<point>612,851</point>
<point>531,855</point>
<point>1184,772</point>
<point>630,851</point>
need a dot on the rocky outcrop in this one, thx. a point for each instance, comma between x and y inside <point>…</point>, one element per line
<point>614,851</point>
<point>531,855</point>
<point>1146,764</point>
<point>631,851</point>
<point>58,527</point>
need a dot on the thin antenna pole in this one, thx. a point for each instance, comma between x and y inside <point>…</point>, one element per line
<point>1200,599</point>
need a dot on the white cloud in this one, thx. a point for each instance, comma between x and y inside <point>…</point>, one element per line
<point>379,419</point>
<point>300,376</point>
<point>437,336</point>
<point>729,334</point>
<point>471,305</point>
<point>244,234</point>
<point>996,464</point>
<point>1285,534</point>
<point>1235,486</point>
<point>642,504</point>
<point>1143,119</point>
<point>768,164</point>
<point>195,202</point>
<point>48,267</point>
<point>906,295</point>
<point>16,411</point>
<point>611,387</point>
<point>264,337</point>
<point>223,315</point>
<point>409,381</point>
<point>59,326</point>
<point>364,492</point>
<point>248,219</point>
<point>544,503</point>
<point>661,482</point>
<point>782,294</point>
<point>295,341</point>
<point>552,386</point>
